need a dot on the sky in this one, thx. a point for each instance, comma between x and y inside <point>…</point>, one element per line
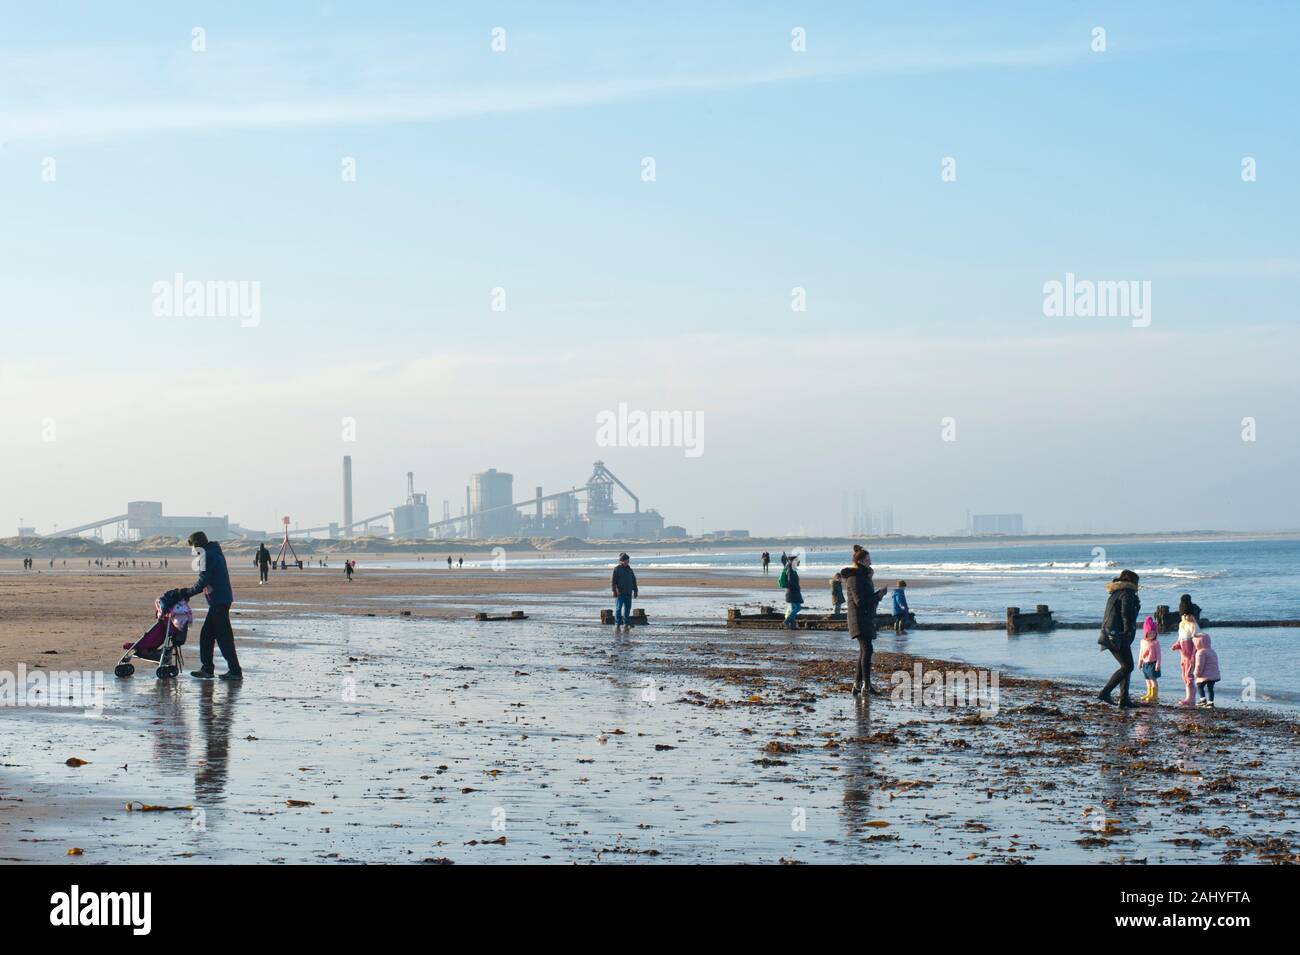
<point>447,213</point>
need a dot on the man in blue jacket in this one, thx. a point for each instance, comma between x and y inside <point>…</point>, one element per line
<point>214,584</point>
<point>622,583</point>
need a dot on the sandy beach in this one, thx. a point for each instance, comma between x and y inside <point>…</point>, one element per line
<point>361,735</point>
<point>77,618</point>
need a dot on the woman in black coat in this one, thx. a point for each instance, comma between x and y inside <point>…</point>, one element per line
<point>861,598</point>
<point>1118,629</point>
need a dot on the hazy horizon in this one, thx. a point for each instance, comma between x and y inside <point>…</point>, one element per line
<point>499,272</point>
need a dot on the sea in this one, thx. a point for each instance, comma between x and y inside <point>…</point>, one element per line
<point>1250,579</point>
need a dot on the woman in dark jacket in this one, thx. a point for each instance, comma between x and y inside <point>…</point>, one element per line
<point>861,598</point>
<point>1118,629</point>
<point>793,593</point>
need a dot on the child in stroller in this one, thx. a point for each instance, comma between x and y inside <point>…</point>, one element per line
<point>162,642</point>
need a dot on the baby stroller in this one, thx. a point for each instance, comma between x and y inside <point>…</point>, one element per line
<point>162,642</point>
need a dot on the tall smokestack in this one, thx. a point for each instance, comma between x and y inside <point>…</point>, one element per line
<point>539,505</point>
<point>469,524</point>
<point>347,495</point>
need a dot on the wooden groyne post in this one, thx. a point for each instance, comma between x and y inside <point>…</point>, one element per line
<point>638,618</point>
<point>513,615</point>
<point>1038,621</point>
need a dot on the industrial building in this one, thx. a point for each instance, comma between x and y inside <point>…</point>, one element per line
<point>145,519</point>
<point>492,490</point>
<point>1007,524</point>
<point>411,520</point>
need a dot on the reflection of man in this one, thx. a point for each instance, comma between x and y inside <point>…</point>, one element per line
<point>211,773</point>
<point>623,585</point>
<point>214,584</point>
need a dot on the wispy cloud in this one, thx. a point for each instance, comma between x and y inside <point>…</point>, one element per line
<point>55,123</point>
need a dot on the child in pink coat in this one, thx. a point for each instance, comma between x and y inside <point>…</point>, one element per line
<point>1207,669</point>
<point>1187,654</point>
<point>1149,660</point>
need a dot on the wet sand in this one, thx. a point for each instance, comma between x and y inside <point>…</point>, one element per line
<point>74,618</point>
<point>428,739</point>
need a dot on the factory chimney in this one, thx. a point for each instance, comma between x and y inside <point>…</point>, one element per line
<point>347,495</point>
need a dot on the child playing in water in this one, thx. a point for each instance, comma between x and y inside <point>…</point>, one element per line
<point>1207,669</point>
<point>1187,652</point>
<point>1149,660</point>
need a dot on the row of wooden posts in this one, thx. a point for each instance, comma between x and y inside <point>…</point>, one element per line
<point>1039,620</point>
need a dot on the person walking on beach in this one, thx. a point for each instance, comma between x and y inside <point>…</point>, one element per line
<point>766,558</point>
<point>214,584</point>
<point>837,594</point>
<point>348,568</point>
<point>623,585</point>
<point>901,610</point>
<point>862,598</point>
<point>789,579</point>
<point>263,561</point>
<point>1148,660</point>
<point>1207,669</point>
<point>1118,630</point>
<point>449,561</point>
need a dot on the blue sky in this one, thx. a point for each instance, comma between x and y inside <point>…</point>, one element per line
<point>775,169</point>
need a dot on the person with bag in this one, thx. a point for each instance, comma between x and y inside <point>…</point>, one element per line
<point>1118,631</point>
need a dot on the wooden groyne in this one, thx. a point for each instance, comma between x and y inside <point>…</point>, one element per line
<point>1038,620</point>
<point>512,615</point>
<point>638,617</point>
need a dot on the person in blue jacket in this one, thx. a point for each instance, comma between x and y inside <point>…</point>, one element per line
<point>901,609</point>
<point>214,584</point>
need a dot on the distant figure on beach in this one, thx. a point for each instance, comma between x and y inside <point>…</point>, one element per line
<point>1207,669</point>
<point>837,594</point>
<point>1186,647</point>
<point>623,585</point>
<point>784,559</point>
<point>214,584</point>
<point>766,558</point>
<point>789,579</point>
<point>860,589</point>
<point>263,562</point>
<point>348,567</point>
<point>449,561</point>
<point>1148,660</point>
<point>901,610</point>
<point>460,562</point>
<point>1118,630</point>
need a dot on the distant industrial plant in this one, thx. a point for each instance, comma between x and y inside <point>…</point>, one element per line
<point>490,511</point>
